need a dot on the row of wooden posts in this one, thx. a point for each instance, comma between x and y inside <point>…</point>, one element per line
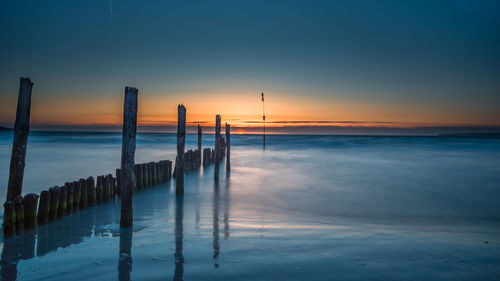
<point>20,212</point>
<point>59,201</point>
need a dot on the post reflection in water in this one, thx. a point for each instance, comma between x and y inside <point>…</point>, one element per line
<point>227,204</point>
<point>125,257</point>
<point>216,224</point>
<point>15,249</point>
<point>179,232</point>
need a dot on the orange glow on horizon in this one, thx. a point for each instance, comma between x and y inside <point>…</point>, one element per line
<point>242,109</point>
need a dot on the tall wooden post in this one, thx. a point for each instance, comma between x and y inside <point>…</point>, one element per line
<point>199,138</point>
<point>181,141</point>
<point>21,130</point>
<point>217,146</point>
<point>228,147</point>
<point>128,153</point>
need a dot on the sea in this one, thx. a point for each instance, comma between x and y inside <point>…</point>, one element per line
<point>304,208</point>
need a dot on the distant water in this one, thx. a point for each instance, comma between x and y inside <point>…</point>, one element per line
<point>306,208</point>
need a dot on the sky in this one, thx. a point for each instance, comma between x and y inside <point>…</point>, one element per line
<point>324,66</point>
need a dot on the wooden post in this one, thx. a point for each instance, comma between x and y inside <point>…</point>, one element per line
<point>217,147</point>
<point>54,202</point>
<point>118,179</point>
<point>199,137</point>
<point>69,197</point>
<point>112,191</point>
<point>128,155</point>
<point>106,196</point>
<point>9,218</point>
<point>91,191</point>
<point>145,177</point>
<point>228,147</point>
<point>99,190</point>
<point>181,141</point>
<point>44,207</point>
<point>19,205</point>
<point>61,211</point>
<point>21,130</point>
<point>18,156</point>
<point>84,196</point>
<point>30,204</point>
<point>154,179</point>
<point>77,195</point>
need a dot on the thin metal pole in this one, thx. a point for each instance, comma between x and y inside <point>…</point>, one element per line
<point>264,122</point>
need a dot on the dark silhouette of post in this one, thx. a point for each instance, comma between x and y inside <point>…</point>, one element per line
<point>264,124</point>
<point>199,138</point>
<point>228,147</point>
<point>128,154</point>
<point>21,131</point>
<point>217,147</point>
<point>181,141</point>
<point>179,235</point>
<point>215,224</point>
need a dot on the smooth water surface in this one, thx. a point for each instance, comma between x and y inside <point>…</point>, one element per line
<point>306,208</point>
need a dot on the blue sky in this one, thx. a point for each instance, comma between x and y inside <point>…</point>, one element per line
<point>432,62</point>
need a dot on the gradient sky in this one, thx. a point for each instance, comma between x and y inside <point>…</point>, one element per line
<point>320,63</point>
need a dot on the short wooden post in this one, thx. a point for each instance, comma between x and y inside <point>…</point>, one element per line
<point>84,196</point>
<point>30,206</point>
<point>128,155</point>
<point>91,191</point>
<point>54,202</point>
<point>19,205</point>
<point>61,211</point>
<point>181,140</point>
<point>99,190</point>
<point>228,147</point>
<point>44,207</point>
<point>9,218</point>
<point>69,197</point>
<point>106,196</point>
<point>112,191</point>
<point>144,174</point>
<point>154,179</point>
<point>77,196</point>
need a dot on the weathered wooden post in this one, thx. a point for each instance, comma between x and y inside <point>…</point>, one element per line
<point>76,196</point>
<point>152,167</point>
<point>91,191</point>
<point>43,207</point>
<point>21,130</point>
<point>54,202</point>
<point>217,146</point>
<point>69,197</point>
<point>228,147</point>
<point>84,196</point>
<point>181,141</point>
<point>199,145</point>
<point>145,176</point>
<point>18,156</point>
<point>105,189</point>
<point>9,218</point>
<point>30,204</point>
<point>118,179</point>
<point>62,202</point>
<point>128,154</point>
<point>19,205</point>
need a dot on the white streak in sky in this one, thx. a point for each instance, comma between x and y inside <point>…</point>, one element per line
<point>111,9</point>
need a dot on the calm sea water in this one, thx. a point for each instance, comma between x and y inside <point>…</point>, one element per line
<point>306,208</point>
